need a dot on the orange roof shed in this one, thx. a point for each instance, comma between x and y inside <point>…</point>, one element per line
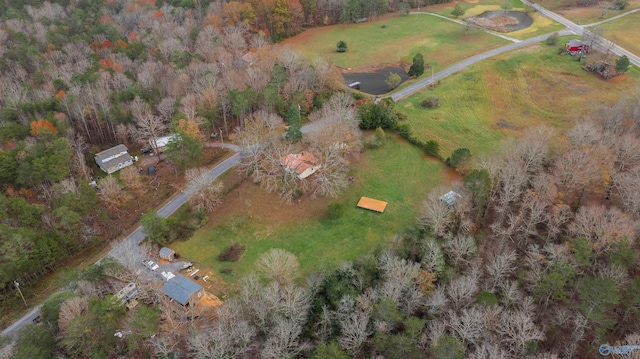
<point>372,204</point>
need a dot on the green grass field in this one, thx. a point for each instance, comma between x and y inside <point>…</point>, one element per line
<point>442,42</point>
<point>397,173</point>
<point>625,32</point>
<point>506,94</point>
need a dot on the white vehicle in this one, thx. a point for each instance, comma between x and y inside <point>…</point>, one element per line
<point>150,264</point>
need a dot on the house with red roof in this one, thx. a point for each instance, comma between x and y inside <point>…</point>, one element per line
<point>303,164</point>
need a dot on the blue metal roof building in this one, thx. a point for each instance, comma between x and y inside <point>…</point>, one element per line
<point>182,290</point>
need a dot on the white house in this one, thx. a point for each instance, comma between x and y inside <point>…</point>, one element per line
<point>304,164</point>
<point>114,159</point>
<point>161,142</point>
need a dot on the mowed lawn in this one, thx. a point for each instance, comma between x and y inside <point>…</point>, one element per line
<point>397,173</point>
<point>442,42</point>
<point>506,94</point>
<point>625,32</point>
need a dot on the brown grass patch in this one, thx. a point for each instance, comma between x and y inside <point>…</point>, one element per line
<point>495,23</point>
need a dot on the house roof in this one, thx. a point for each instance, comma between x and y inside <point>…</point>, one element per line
<point>120,159</point>
<point>372,204</point>
<point>165,252</point>
<point>161,141</point>
<point>127,292</point>
<point>180,289</point>
<point>249,57</point>
<point>450,198</point>
<point>574,42</point>
<point>300,162</point>
<point>113,151</point>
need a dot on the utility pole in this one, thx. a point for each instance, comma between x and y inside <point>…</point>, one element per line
<point>221,140</point>
<point>432,86</point>
<point>19,291</point>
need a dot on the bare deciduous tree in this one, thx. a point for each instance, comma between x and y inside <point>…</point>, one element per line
<point>437,301</point>
<point>460,248</point>
<point>230,337</point>
<point>628,185</point>
<point>489,351</point>
<point>207,195</point>
<point>469,326</point>
<point>462,290</point>
<point>517,329</point>
<point>500,267</point>
<point>603,226</point>
<point>284,340</point>
<point>70,309</point>
<point>399,275</point>
<point>436,214</point>
<point>432,257</point>
<point>111,193</point>
<point>131,177</point>
<point>354,331</point>
<point>279,265</point>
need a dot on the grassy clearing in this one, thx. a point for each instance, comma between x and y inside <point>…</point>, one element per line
<point>440,41</point>
<point>625,32</point>
<point>397,173</point>
<point>541,25</point>
<point>587,15</point>
<point>506,94</point>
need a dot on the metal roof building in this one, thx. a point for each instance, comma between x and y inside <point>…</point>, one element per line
<point>182,290</point>
<point>167,253</point>
<point>114,159</point>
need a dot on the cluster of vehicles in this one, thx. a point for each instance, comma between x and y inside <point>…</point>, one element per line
<point>154,266</point>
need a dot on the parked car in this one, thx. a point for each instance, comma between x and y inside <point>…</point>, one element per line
<point>146,150</point>
<point>36,320</point>
<point>150,264</point>
<point>187,265</point>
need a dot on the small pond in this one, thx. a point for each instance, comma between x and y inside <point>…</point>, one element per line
<point>374,82</point>
<point>502,21</point>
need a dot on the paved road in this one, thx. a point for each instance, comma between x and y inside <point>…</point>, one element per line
<point>138,234</point>
<point>415,87</point>
<point>460,22</point>
<point>572,28</point>
<point>602,44</point>
<point>612,18</point>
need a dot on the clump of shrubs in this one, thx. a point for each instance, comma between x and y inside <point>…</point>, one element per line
<point>232,253</point>
<point>552,40</point>
<point>376,140</point>
<point>335,210</point>
<point>432,101</point>
<point>430,147</point>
